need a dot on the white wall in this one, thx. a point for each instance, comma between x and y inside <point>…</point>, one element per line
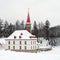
<point>17,44</point>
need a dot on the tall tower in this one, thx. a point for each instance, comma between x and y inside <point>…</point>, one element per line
<point>28,22</point>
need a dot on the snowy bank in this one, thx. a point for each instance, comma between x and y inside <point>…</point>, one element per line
<point>54,54</point>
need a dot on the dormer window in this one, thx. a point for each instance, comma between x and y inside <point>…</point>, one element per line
<point>14,37</point>
<point>19,36</point>
<point>21,33</point>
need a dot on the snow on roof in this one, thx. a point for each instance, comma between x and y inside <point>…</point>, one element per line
<point>22,34</point>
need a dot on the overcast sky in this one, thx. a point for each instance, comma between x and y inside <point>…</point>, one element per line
<point>40,10</point>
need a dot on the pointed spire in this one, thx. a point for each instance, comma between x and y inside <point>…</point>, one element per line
<point>28,18</point>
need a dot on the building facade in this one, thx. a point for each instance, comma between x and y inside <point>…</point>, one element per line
<point>21,40</point>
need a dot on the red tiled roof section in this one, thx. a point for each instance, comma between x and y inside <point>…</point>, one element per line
<point>32,36</point>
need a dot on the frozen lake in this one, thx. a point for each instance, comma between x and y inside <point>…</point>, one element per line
<point>57,41</point>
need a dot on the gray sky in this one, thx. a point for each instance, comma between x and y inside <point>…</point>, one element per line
<point>40,10</point>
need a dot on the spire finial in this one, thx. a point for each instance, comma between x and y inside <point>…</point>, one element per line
<point>28,9</point>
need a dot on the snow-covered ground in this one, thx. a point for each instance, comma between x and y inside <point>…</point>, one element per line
<point>53,54</point>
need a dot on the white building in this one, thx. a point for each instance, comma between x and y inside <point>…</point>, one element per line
<point>43,44</point>
<point>21,40</point>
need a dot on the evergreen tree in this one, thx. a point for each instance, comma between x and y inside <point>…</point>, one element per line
<point>47,24</point>
<point>35,29</point>
<point>17,25</point>
<point>41,31</point>
<point>22,25</point>
<point>5,31</point>
<point>5,25</point>
<point>11,28</point>
<point>1,25</point>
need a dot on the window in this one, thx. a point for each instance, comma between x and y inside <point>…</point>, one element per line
<point>19,36</point>
<point>41,42</point>
<point>31,42</point>
<point>20,42</point>
<point>13,47</point>
<point>35,42</point>
<point>8,42</point>
<point>38,47</point>
<point>21,33</point>
<point>25,42</point>
<point>25,47</point>
<point>31,47</point>
<point>8,47</point>
<point>20,47</point>
<point>14,37</point>
<point>13,42</point>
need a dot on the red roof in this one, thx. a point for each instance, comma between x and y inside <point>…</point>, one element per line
<point>32,36</point>
<point>28,18</point>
